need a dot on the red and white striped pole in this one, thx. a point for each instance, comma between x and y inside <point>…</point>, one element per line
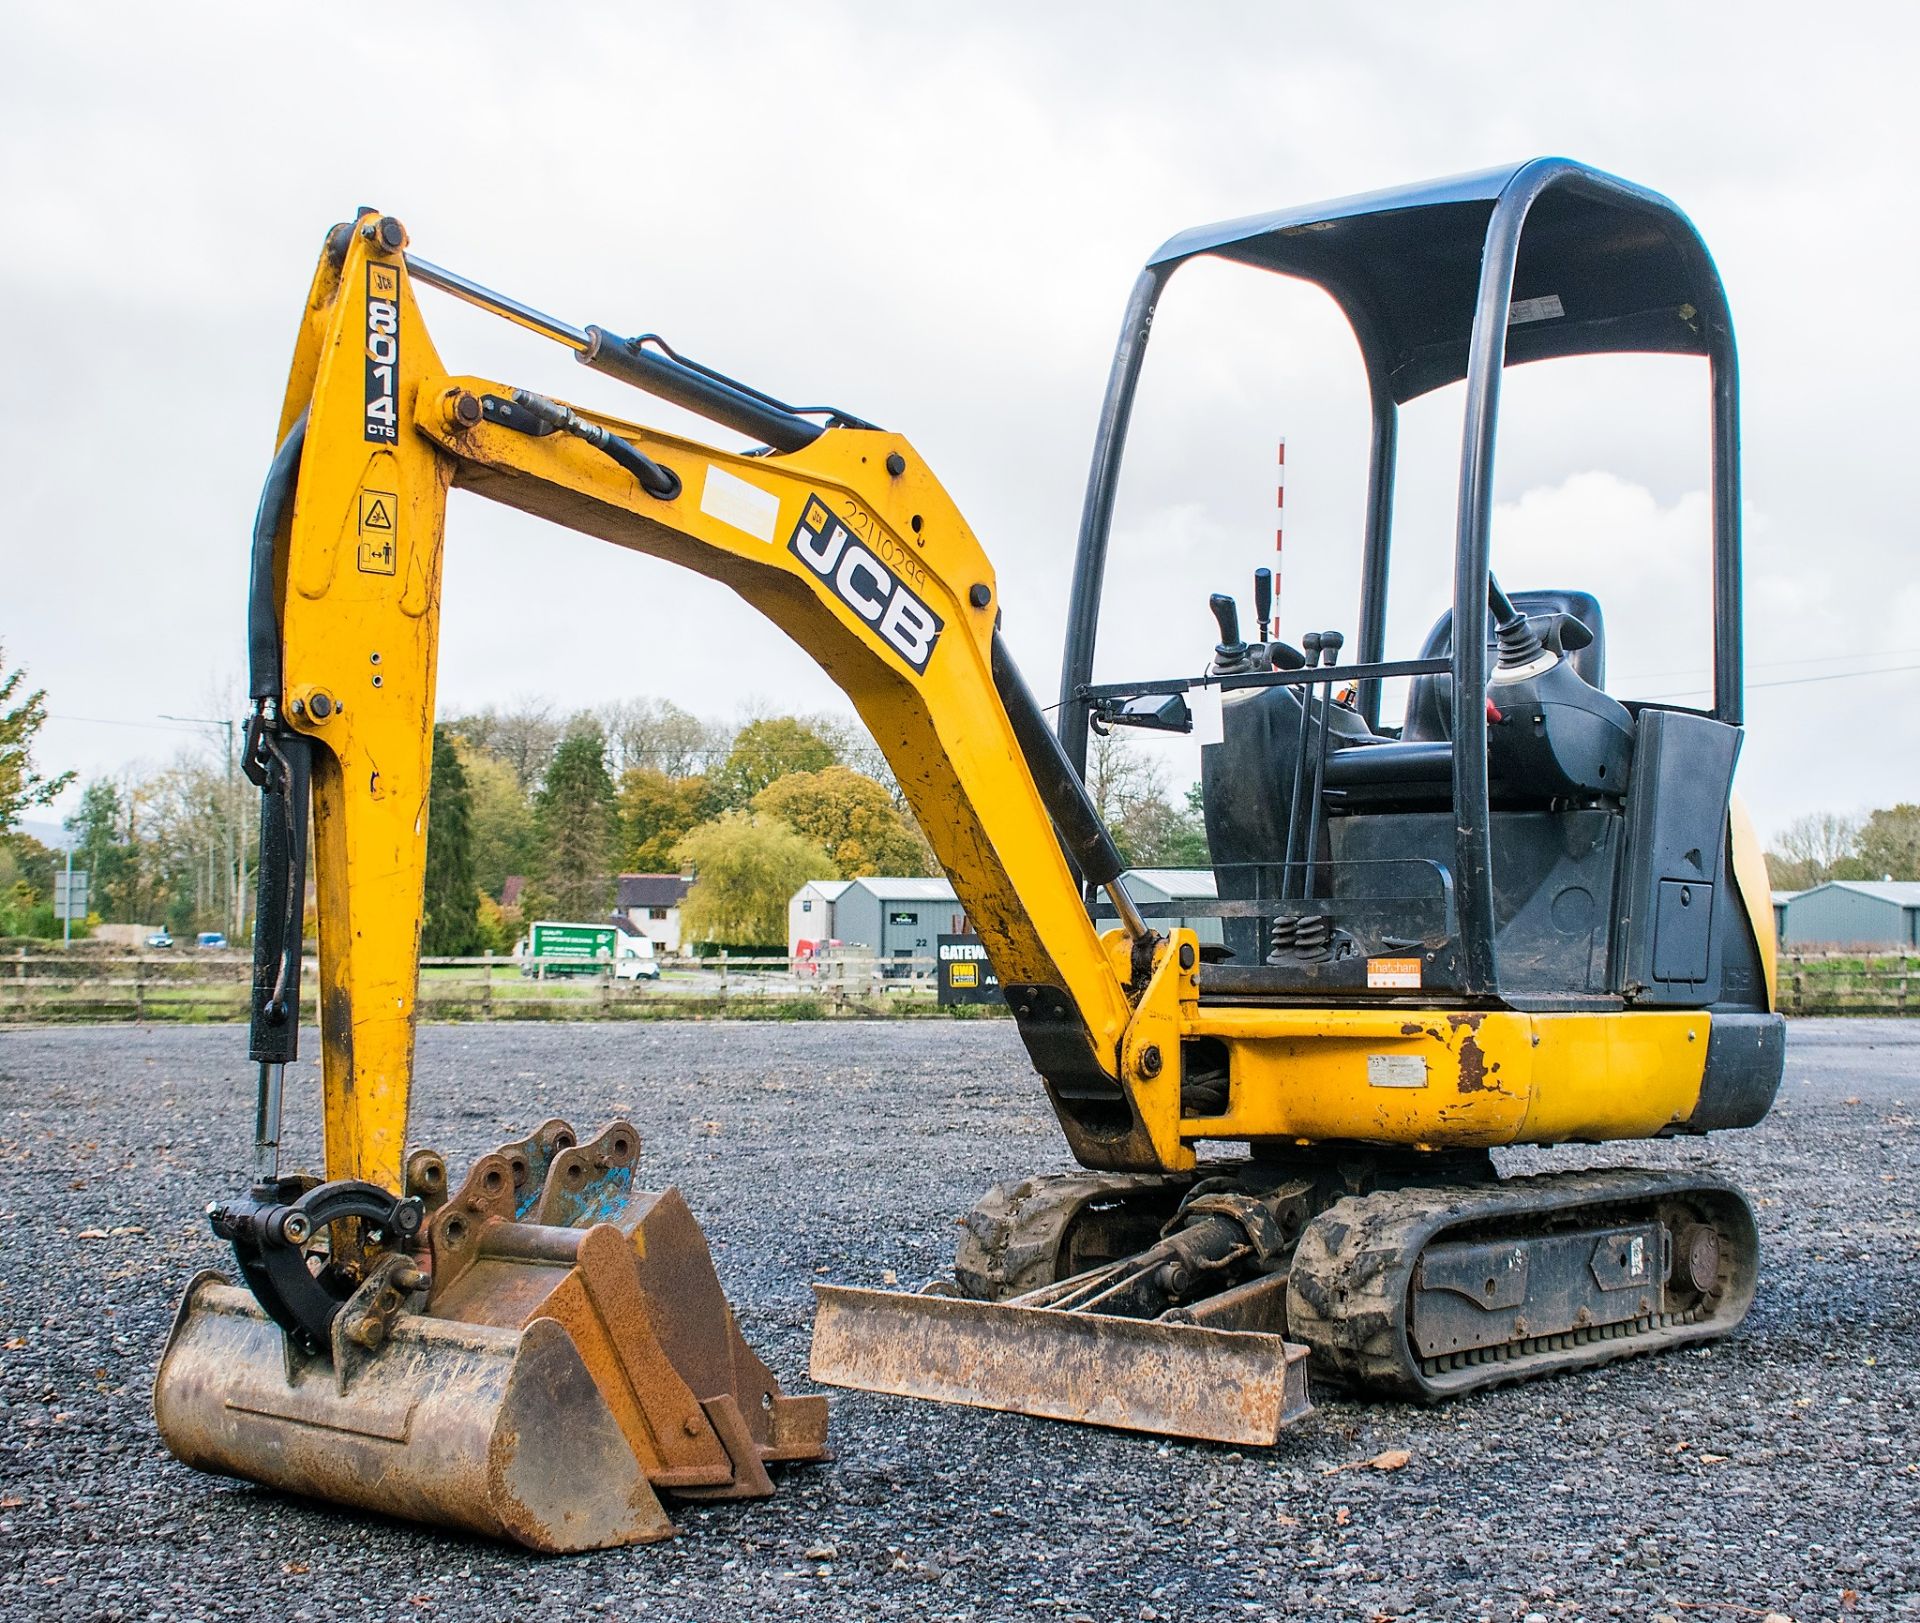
<point>1279,527</point>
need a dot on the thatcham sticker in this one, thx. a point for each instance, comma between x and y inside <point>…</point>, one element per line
<point>865,584</point>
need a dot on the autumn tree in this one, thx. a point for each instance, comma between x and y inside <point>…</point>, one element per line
<point>765,750</point>
<point>450,919</point>
<point>851,818</point>
<point>22,715</point>
<point>574,817</point>
<point>525,738</point>
<point>104,849</point>
<point>26,886</point>
<point>1811,850</point>
<point>1129,790</point>
<point>1888,846</point>
<point>746,869</point>
<point>656,735</point>
<point>505,839</point>
<point>656,810</point>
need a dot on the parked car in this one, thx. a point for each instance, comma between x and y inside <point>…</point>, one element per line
<point>211,941</point>
<point>160,938</point>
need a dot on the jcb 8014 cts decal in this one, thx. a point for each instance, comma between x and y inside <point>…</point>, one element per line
<point>383,354</point>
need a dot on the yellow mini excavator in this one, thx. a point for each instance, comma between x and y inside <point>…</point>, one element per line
<point>1525,913</point>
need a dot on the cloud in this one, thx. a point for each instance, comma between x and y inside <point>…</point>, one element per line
<point>932,217</point>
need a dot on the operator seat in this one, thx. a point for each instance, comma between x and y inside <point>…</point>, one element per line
<point>1430,698</point>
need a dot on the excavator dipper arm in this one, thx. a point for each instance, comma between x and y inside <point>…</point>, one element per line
<point>848,543</point>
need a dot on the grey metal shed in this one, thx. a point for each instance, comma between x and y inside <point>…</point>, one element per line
<point>899,918</point>
<point>1158,892</point>
<point>1882,914</point>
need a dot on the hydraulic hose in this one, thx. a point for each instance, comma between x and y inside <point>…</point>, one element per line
<point>263,616</point>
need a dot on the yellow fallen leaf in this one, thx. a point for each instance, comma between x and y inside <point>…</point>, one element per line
<point>1393,1459</point>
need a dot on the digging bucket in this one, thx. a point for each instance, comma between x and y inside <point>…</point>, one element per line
<point>568,1357</point>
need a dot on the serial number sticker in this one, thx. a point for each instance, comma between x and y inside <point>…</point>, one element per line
<point>1393,974</point>
<point>383,354</point>
<point>739,502</point>
<point>1545,308</point>
<point>1396,1071</point>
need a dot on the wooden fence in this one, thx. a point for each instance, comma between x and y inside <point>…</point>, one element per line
<point>50,985</point>
<point>55,986</point>
<point>1848,983</point>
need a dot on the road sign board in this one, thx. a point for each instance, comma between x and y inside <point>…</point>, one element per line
<point>70,894</point>
<point>572,948</point>
<point>965,974</point>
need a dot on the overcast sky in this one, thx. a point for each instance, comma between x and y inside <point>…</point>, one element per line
<point>932,216</point>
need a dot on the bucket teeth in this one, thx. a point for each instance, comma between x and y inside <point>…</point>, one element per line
<point>567,1355</point>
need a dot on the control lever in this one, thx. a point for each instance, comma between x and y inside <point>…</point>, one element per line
<point>1311,643</point>
<point>1263,599</point>
<point>1231,654</point>
<point>1330,642</point>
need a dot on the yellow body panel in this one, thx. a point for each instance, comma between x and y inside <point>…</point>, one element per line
<point>1756,893</point>
<point>1422,1077</point>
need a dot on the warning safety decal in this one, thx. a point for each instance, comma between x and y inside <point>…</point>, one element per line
<point>377,509</point>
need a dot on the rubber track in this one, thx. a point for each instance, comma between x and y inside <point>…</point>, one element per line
<point>1353,1272</point>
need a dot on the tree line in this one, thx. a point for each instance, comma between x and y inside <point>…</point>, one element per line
<point>1811,850</point>
<point>534,813</point>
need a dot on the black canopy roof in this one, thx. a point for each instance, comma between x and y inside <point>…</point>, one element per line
<point>1604,266</point>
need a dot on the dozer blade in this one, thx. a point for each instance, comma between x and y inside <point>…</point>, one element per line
<point>1177,1380</point>
<point>569,1358</point>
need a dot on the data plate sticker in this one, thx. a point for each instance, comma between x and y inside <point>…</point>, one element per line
<point>1545,308</point>
<point>383,354</point>
<point>1396,1071</point>
<point>736,501</point>
<point>1393,974</point>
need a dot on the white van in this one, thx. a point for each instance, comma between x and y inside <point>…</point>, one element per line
<point>635,960</point>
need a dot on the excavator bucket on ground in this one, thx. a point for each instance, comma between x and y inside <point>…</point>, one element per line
<point>564,1357</point>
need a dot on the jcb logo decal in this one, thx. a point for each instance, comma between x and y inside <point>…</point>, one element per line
<point>865,584</point>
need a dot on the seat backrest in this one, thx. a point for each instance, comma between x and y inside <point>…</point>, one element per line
<point>1430,699</point>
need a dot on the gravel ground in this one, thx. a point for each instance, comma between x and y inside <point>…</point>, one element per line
<point>1775,1473</point>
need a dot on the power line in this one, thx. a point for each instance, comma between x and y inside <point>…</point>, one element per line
<point>121,721</point>
<point>1795,681</point>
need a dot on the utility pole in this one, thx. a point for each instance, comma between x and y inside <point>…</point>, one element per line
<point>236,880</point>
